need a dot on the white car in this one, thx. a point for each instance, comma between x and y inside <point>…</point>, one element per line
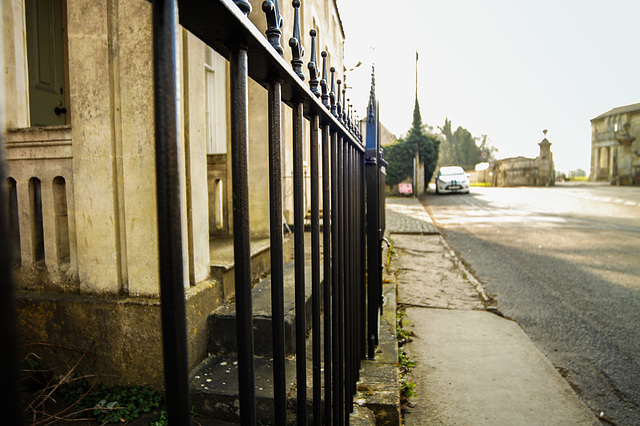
<point>452,179</point>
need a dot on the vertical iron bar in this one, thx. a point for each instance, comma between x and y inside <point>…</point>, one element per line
<point>381,203</point>
<point>174,334</point>
<point>347,276</point>
<point>348,304</point>
<point>10,403</point>
<point>341,285</point>
<point>277,273</point>
<point>335,276</point>
<point>298,213</point>
<point>328,279</point>
<point>363,248</point>
<point>348,279</point>
<point>241,238</point>
<point>354,268</point>
<point>352,282</point>
<point>374,261</point>
<point>315,267</point>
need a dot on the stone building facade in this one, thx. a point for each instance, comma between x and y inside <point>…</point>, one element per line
<point>522,171</point>
<point>79,132</point>
<point>615,148</point>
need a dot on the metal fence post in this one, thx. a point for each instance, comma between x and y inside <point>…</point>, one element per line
<point>241,236</point>
<point>277,270</point>
<point>374,281</point>
<point>174,334</point>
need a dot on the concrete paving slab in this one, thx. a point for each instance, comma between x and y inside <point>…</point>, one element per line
<point>429,274</point>
<point>475,368</point>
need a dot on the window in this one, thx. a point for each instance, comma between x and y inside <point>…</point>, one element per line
<point>218,205</point>
<point>215,101</point>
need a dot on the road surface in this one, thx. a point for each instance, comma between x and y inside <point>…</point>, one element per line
<point>564,262</point>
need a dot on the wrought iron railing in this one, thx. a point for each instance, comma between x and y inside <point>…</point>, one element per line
<point>346,176</point>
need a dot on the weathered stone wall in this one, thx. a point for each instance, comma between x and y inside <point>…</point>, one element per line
<point>522,171</point>
<point>519,171</point>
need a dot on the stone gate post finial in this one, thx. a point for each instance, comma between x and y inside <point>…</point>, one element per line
<point>274,24</point>
<point>295,42</point>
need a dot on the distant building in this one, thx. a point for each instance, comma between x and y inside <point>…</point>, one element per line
<point>615,149</point>
<point>522,171</point>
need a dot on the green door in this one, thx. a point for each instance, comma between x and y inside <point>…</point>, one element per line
<point>46,62</point>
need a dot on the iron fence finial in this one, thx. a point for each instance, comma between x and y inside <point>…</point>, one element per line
<point>274,24</point>
<point>372,97</point>
<point>313,66</point>
<point>323,82</point>
<point>352,120</point>
<point>344,102</point>
<point>295,42</point>
<point>338,102</point>
<point>332,95</point>
<point>244,6</point>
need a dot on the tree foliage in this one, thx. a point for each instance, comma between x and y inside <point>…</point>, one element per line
<point>460,148</point>
<point>401,154</point>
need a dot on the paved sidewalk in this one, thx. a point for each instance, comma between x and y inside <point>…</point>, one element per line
<point>405,215</point>
<point>472,366</point>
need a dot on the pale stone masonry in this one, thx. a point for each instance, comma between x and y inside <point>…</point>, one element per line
<point>521,171</point>
<point>81,172</point>
<point>615,146</point>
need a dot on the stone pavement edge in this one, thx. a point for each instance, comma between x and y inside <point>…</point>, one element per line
<point>473,367</point>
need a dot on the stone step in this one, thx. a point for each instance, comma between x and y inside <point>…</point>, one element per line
<point>222,322</point>
<point>214,388</point>
<point>214,383</point>
<point>223,262</point>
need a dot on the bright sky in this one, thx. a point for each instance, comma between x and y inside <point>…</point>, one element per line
<point>504,68</point>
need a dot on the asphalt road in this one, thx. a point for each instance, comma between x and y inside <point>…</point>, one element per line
<point>564,262</point>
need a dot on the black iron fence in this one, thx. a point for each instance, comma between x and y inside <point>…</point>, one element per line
<point>346,176</point>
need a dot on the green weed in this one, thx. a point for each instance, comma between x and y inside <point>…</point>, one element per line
<point>163,420</point>
<point>403,335</point>
<point>115,404</point>
<point>407,388</point>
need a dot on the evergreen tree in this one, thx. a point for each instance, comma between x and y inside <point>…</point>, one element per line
<point>460,148</point>
<point>401,154</point>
